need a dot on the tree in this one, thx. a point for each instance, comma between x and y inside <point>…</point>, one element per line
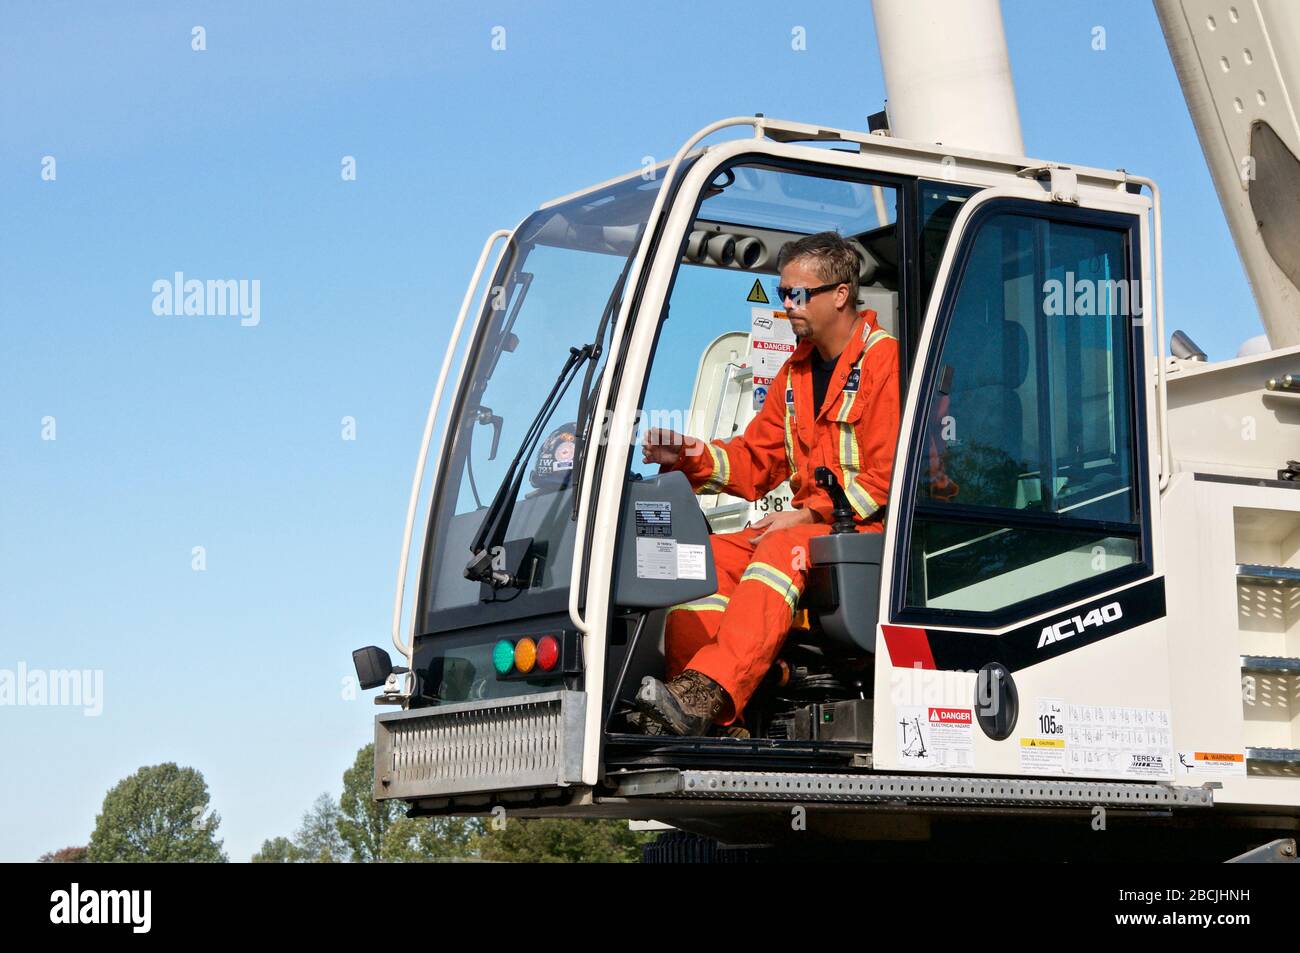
<point>564,840</point>
<point>432,838</point>
<point>69,855</point>
<point>318,839</point>
<point>157,814</point>
<point>365,821</point>
<point>278,850</point>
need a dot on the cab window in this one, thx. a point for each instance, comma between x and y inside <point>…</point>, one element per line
<point>723,332</point>
<point>1025,478</point>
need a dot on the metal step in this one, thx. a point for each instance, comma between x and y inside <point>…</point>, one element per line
<point>907,789</point>
<point>1270,665</point>
<point>1273,755</point>
<point>1268,575</point>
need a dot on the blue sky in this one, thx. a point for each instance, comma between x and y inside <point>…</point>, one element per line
<point>176,432</point>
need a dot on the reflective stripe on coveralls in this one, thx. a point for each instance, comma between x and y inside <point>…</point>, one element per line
<point>850,458</point>
<point>773,578</point>
<point>734,636</point>
<point>789,418</point>
<point>713,603</point>
<point>721,472</point>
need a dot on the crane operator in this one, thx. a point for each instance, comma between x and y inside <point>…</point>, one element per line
<point>834,403</point>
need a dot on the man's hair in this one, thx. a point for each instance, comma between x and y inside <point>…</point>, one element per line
<point>832,258</point>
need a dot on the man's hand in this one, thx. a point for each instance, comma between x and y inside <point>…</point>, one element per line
<point>663,447</point>
<point>774,521</point>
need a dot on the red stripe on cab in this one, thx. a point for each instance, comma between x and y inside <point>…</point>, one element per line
<point>908,646</point>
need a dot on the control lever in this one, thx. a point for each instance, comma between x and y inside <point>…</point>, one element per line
<point>842,515</point>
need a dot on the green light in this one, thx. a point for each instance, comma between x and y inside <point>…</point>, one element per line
<point>503,656</point>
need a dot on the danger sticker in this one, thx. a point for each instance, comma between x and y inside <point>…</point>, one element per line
<point>935,737</point>
<point>771,342</point>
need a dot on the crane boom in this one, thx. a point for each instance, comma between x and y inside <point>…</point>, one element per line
<point>1239,68</point>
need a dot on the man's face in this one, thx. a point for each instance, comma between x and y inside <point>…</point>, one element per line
<point>810,316</point>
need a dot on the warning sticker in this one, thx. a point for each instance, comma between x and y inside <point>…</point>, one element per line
<point>691,561</point>
<point>656,558</point>
<point>771,342</point>
<point>653,519</point>
<point>1211,764</point>
<point>1043,750</point>
<point>757,294</point>
<point>935,737</point>
<point>1097,741</point>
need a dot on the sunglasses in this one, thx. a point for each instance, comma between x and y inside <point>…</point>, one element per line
<point>799,294</point>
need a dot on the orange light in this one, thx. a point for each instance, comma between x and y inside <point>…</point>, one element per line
<point>525,655</point>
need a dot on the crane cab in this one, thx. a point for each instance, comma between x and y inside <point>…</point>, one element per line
<point>1012,620</point>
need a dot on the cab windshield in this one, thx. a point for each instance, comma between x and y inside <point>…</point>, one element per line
<point>559,276</point>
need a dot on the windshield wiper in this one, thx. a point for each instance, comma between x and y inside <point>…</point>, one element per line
<point>580,430</point>
<point>492,532</point>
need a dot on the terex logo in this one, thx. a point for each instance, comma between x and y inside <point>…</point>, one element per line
<point>1075,624</point>
<point>950,716</point>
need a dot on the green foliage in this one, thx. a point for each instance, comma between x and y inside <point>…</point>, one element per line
<point>278,850</point>
<point>318,839</point>
<point>362,829</point>
<point>411,840</point>
<point>157,814</point>
<point>365,821</point>
<point>563,840</point>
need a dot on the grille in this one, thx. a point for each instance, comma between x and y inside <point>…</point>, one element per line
<point>502,744</point>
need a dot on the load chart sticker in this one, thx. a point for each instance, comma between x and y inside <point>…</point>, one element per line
<point>1097,741</point>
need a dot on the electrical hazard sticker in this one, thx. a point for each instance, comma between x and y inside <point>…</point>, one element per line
<point>934,736</point>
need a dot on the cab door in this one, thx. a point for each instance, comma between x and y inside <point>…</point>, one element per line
<point>1022,600</point>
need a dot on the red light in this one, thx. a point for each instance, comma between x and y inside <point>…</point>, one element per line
<point>548,652</point>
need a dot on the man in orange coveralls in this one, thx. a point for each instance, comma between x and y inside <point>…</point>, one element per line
<point>833,403</point>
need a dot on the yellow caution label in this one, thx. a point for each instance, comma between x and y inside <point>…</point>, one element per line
<point>757,294</point>
<point>1042,742</point>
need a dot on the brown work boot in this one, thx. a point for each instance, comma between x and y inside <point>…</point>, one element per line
<point>687,705</point>
<point>738,732</point>
<point>639,722</point>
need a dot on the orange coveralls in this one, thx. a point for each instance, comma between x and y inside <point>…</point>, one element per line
<point>734,636</point>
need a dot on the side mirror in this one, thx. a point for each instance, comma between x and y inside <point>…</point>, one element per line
<point>373,666</point>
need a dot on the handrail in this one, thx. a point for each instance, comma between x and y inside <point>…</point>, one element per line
<point>418,481</point>
<point>1162,386</point>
